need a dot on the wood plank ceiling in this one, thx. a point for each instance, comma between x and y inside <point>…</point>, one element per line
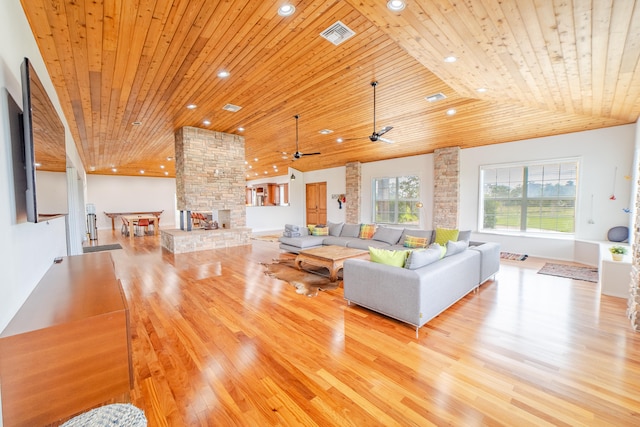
<point>548,67</point>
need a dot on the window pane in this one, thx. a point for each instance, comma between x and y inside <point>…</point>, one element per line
<point>549,199</point>
<point>395,200</point>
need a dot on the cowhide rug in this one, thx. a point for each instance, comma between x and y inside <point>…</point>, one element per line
<point>307,281</point>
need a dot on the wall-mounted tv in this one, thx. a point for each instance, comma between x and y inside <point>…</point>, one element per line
<point>45,154</point>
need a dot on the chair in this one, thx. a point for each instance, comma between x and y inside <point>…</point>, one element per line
<point>125,227</point>
<point>143,224</point>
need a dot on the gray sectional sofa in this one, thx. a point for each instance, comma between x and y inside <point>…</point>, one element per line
<point>428,284</point>
<point>416,296</point>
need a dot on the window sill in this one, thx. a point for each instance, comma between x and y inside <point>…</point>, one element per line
<point>554,236</point>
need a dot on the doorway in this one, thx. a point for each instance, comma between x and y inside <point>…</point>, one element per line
<point>316,198</point>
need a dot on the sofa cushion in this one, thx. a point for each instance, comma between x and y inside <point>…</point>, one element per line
<point>441,248</point>
<point>415,242</point>
<point>302,242</point>
<point>456,247</point>
<point>383,256</point>
<point>335,228</point>
<point>443,235</point>
<point>365,244</point>
<point>388,235</point>
<point>428,234</point>
<point>464,236</point>
<point>350,230</point>
<point>420,258</point>
<point>367,231</point>
<point>338,241</point>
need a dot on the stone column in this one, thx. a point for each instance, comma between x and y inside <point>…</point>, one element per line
<point>354,188</point>
<point>633,304</point>
<point>446,191</point>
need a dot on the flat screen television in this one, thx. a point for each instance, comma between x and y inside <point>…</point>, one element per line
<point>44,146</point>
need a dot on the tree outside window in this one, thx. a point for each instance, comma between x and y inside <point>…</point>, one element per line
<point>395,199</point>
<point>531,198</point>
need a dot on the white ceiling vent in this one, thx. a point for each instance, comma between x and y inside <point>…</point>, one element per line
<point>337,33</point>
<point>436,97</point>
<point>232,108</point>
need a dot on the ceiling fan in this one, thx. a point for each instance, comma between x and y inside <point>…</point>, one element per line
<point>298,154</point>
<point>377,136</point>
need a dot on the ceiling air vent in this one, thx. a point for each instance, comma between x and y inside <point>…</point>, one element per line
<point>436,97</point>
<point>232,108</point>
<point>337,33</point>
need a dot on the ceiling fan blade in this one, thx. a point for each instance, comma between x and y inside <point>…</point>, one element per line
<point>309,154</point>
<point>388,141</point>
<point>384,130</point>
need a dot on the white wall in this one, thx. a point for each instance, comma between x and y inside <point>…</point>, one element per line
<point>132,194</point>
<point>600,152</point>
<point>27,250</point>
<point>414,165</point>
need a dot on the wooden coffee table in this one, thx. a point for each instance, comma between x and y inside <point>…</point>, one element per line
<point>331,257</point>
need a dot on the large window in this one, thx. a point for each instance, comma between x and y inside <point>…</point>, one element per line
<point>395,199</point>
<point>538,197</point>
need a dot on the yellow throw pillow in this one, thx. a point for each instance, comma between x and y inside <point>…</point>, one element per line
<point>367,231</point>
<point>415,242</point>
<point>387,257</point>
<point>443,235</point>
<point>320,231</point>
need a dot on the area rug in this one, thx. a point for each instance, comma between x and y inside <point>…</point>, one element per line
<point>88,249</point>
<point>512,256</point>
<point>588,274</point>
<point>267,238</point>
<point>308,281</point>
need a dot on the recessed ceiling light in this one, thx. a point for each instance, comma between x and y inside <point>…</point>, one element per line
<point>255,174</point>
<point>114,170</point>
<point>284,157</point>
<point>161,166</point>
<point>206,122</point>
<point>481,89</point>
<point>339,140</point>
<point>275,170</point>
<point>265,172</point>
<point>141,171</point>
<point>166,173</point>
<point>91,168</point>
<point>450,59</point>
<point>248,175</point>
<point>245,162</point>
<point>169,159</point>
<point>255,159</point>
<point>275,167</point>
<point>451,111</point>
<point>326,131</point>
<point>395,5</point>
<point>223,74</point>
<point>250,167</point>
<point>136,123</point>
<point>192,106</point>
<point>286,10</point>
<point>240,129</point>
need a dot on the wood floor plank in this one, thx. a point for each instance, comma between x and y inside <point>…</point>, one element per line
<point>217,342</point>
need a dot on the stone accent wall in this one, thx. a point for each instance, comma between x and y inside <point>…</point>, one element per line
<point>210,173</point>
<point>354,189</point>
<point>633,304</point>
<point>446,191</point>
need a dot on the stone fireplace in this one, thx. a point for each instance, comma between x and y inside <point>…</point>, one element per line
<point>209,180</point>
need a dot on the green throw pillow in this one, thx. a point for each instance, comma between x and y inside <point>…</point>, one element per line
<point>383,256</point>
<point>443,235</point>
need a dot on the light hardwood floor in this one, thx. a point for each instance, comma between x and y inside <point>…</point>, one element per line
<point>217,342</point>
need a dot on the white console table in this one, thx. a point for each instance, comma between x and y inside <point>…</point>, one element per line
<point>614,276</point>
